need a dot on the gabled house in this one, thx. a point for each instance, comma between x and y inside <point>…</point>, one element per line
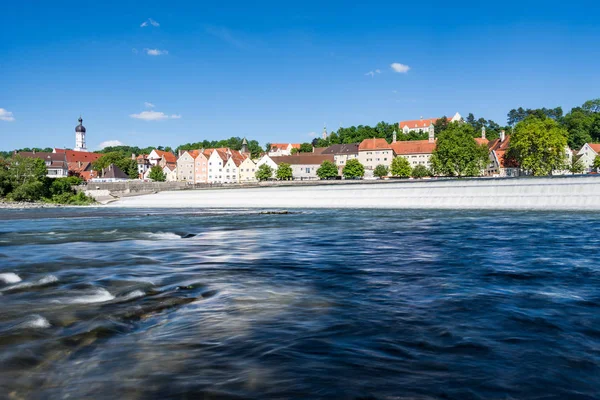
<point>231,173</point>
<point>587,154</point>
<point>201,166</point>
<point>423,125</point>
<point>56,163</point>
<point>500,164</point>
<point>265,159</point>
<point>170,171</point>
<point>342,153</point>
<point>282,149</point>
<point>143,164</point>
<point>162,158</point>
<point>247,170</point>
<point>186,166</point>
<point>417,152</point>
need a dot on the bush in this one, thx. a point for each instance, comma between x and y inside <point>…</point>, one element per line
<point>32,191</point>
<point>264,172</point>
<point>420,171</point>
<point>353,169</point>
<point>284,172</point>
<point>327,170</point>
<point>380,171</point>
<point>401,167</point>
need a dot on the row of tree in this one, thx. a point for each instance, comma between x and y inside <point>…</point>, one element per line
<point>24,179</point>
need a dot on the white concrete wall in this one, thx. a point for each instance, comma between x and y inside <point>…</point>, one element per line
<point>579,193</point>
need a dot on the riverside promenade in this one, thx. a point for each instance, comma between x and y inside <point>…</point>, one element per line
<point>546,193</point>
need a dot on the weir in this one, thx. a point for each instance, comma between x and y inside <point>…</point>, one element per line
<point>545,193</point>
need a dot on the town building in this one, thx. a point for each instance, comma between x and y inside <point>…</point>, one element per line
<point>282,149</point>
<point>162,158</point>
<point>186,166</point>
<point>201,166</point>
<point>423,125</point>
<point>304,165</point>
<point>417,152</point>
<point>247,170</point>
<point>342,153</point>
<point>374,152</point>
<point>112,173</point>
<point>79,162</point>
<point>265,159</point>
<point>500,165</point>
<point>56,163</point>
<point>170,171</point>
<point>231,173</point>
<point>143,164</point>
<point>587,154</point>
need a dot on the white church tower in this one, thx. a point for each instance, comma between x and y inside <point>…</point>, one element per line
<point>80,136</point>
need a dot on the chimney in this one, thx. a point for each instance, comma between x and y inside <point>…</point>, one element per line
<point>483,132</point>
<point>502,136</point>
<point>394,137</point>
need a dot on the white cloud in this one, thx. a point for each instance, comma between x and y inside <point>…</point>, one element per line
<point>149,21</point>
<point>110,143</point>
<point>156,52</point>
<point>6,115</point>
<point>400,68</point>
<point>154,116</point>
<point>372,73</point>
<point>148,105</point>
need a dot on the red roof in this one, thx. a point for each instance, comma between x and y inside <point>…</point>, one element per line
<point>374,144</point>
<point>80,156</point>
<point>417,123</point>
<point>499,149</point>
<point>481,141</point>
<point>193,153</point>
<point>413,147</point>
<point>595,147</point>
<point>168,156</point>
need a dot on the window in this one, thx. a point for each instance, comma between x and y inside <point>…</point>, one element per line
<point>307,170</point>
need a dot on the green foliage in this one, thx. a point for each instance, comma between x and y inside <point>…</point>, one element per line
<point>579,126</point>
<point>400,167</point>
<point>157,174</point>
<point>327,170</point>
<point>576,166</point>
<point>518,115</point>
<point>492,129</point>
<point>457,154</point>
<point>380,171</point>
<point>284,172</point>
<point>264,172</point>
<point>596,163</point>
<point>294,151</point>
<point>420,171</point>
<point>234,143</point>
<point>306,148</point>
<point>592,106</point>
<point>353,169</point>
<point>538,145</point>
<point>122,160</point>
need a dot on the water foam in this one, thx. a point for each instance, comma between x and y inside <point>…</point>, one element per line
<point>99,295</point>
<point>10,277</point>
<point>133,295</point>
<point>162,235</point>
<point>35,322</point>
<point>41,282</point>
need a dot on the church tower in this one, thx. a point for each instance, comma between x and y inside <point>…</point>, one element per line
<point>324,135</point>
<point>244,146</point>
<point>80,136</point>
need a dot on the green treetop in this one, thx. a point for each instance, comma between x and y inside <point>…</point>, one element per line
<point>457,153</point>
<point>400,167</point>
<point>420,171</point>
<point>353,169</point>
<point>157,174</point>
<point>264,172</point>
<point>538,145</point>
<point>327,170</point>
<point>284,172</point>
<point>380,171</point>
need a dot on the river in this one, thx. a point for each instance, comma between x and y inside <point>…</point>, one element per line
<point>351,304</point>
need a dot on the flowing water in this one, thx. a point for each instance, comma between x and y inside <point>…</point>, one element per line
<point>369,304</point>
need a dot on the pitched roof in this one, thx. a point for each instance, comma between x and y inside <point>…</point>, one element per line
<point>55,159</point>
<point>282,146</point>
<point>351,148</point>
<point>79,167</point>
<point>499,150</point>
<point>481,141</point>
<point>319,150</point>
<point>413,147</point>
<point>417,123</point>
<point>112,171</point>
<point>374,144</point>
<point>81,156</point>
<point>304,159</point>
<point>168,156</point>
<point>595,147</point>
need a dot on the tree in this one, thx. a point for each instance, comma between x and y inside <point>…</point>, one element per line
<point>157,174</point>
<point>380,171</point>
<point>401,167</point>
<point>441,124</point>
<point>592,106</point>
<point>284,172</point>
<point>5,186</point>
<point>579,125</point>
<point>23,170</point>
<point>294,151</point>
<point>122,160</point>
<point>264,172</point>
<point>353,169</point>
<point>538,145</point>
<point>457,153</point>
<point>267,147</point>
<point>420,171</point>
<point>596,163</point>
<point>327,170</point>
<point>306,148</point>
<point>576,166</point>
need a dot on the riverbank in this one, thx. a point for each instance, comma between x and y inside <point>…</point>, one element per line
<point>548,193</point>
<point>20,205</point>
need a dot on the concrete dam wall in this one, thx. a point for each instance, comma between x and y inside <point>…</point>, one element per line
<point>552,193</point>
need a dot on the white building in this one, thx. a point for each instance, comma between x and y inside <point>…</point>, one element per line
<point>170,172</point>
<point>304,165</point>
<point>282,149</point>
<point>247,170</point>
<point>587,154</point>
<point>374,152</point>
<point>423,125</point>
<point>342,153</point>
<point>80,136</point>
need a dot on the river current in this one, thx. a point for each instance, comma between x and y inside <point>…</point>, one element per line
<point>349,304</point>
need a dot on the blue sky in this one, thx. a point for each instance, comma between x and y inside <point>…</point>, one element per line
<point>277,72</point>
